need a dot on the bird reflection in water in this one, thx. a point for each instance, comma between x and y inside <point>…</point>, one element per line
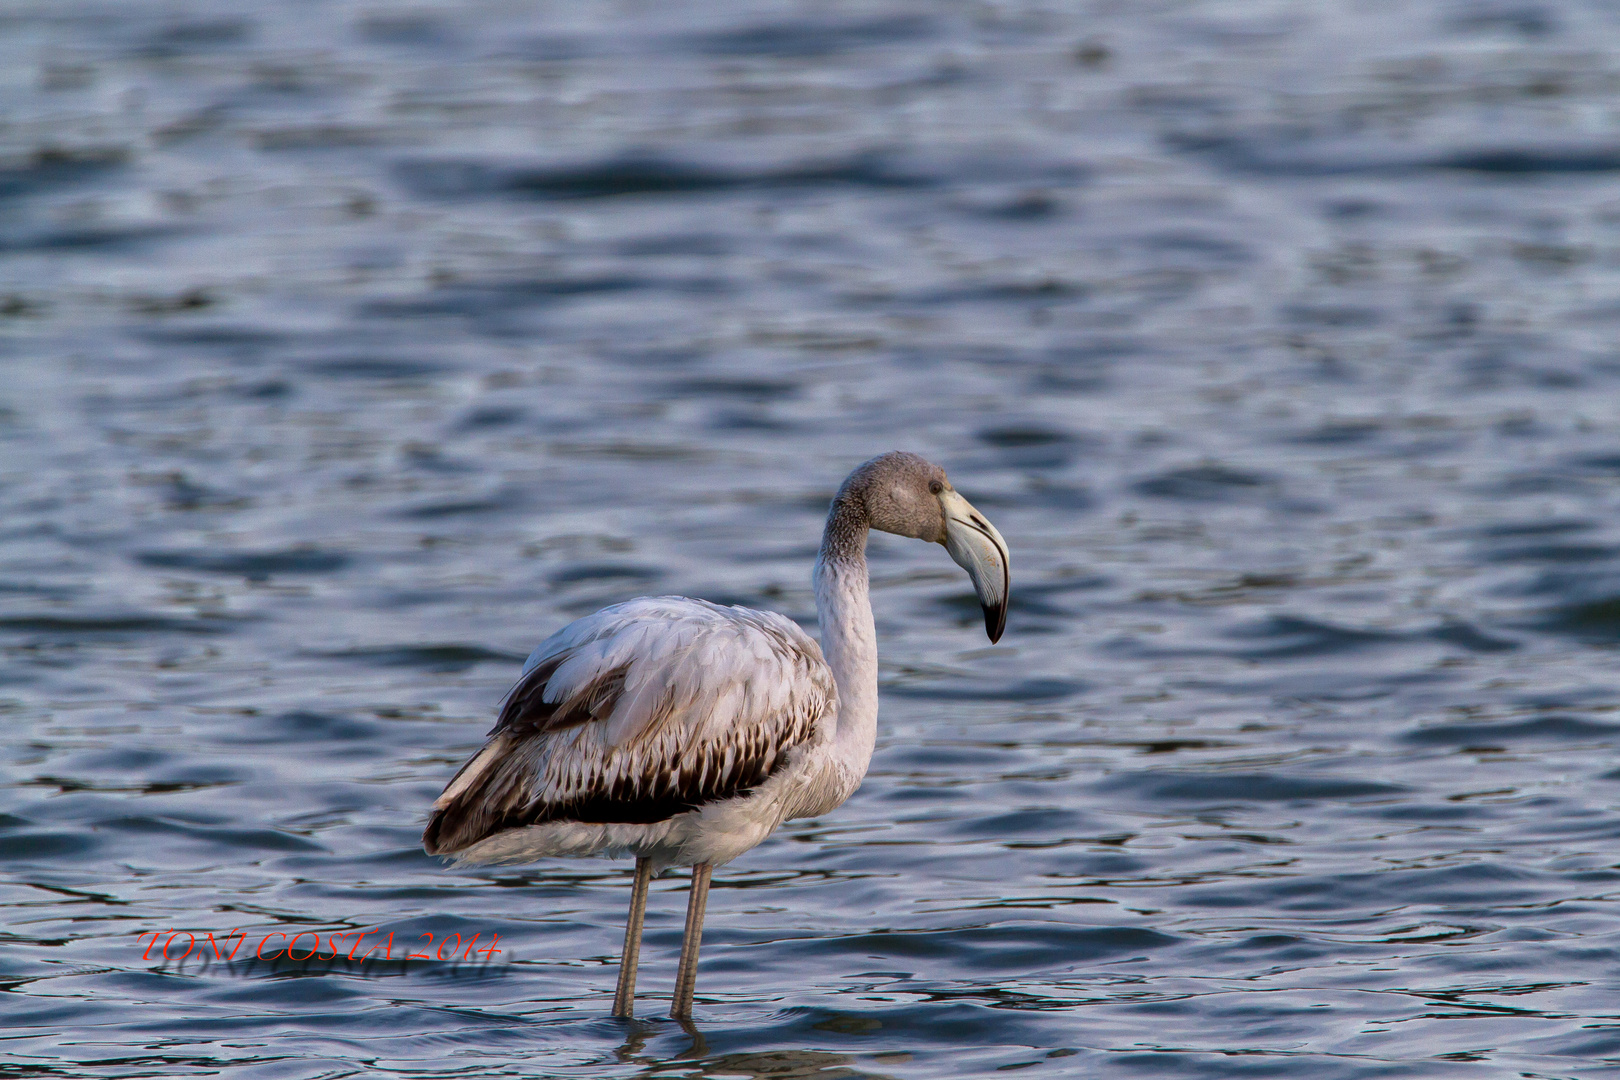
<point>694,1061</point>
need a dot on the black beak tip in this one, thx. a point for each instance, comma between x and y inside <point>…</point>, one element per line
<point>995,621</point>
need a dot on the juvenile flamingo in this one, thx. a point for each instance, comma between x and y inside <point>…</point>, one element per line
<point>683,732</point>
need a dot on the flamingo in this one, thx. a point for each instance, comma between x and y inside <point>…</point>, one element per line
<point>683,732</point>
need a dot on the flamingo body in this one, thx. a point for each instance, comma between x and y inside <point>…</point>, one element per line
<point>664,727</point>
<point>683,732</point>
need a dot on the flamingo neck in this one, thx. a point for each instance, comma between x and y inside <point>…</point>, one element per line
<point>848,636</point>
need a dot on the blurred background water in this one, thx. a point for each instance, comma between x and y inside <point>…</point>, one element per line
<point>349,348</point>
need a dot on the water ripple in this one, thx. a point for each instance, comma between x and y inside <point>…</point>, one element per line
<point>350,352</point>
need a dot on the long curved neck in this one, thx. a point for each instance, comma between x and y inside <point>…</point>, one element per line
<point>848,637</point>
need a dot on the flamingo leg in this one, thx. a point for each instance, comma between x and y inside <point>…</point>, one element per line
<point>624,998</point>
<point>686,974</point>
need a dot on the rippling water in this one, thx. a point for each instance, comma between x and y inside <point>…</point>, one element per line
<point>349,349</point>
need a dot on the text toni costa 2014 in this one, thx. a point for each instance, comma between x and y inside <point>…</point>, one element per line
<point>450,947</point>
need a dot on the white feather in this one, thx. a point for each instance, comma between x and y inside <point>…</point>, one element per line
<point>705,687</point>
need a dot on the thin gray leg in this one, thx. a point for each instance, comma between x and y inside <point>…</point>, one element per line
<point>686,975</point>
<point>624,999</point>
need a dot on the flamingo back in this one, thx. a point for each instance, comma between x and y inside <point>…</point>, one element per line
<point>639,712</point>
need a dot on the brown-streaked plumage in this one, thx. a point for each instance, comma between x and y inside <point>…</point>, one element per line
<point>684,732</point>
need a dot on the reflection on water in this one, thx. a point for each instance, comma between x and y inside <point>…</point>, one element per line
<point>351,350</point>
<point>697,1061</point>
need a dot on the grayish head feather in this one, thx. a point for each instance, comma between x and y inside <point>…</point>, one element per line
<point>893,493</point>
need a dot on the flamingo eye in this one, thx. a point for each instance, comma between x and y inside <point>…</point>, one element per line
<point>936,487</point>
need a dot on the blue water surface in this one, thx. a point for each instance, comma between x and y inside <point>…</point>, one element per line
<point>347,349</point>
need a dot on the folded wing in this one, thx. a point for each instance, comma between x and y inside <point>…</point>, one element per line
<point>637,713</point>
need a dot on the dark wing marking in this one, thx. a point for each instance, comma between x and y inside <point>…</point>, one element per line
<point>497,793</point>
<point>547,762</point>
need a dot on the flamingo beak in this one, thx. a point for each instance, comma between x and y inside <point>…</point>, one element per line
<point>978,548</point>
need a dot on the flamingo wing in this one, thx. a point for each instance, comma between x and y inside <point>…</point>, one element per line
<point>639,712</point>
